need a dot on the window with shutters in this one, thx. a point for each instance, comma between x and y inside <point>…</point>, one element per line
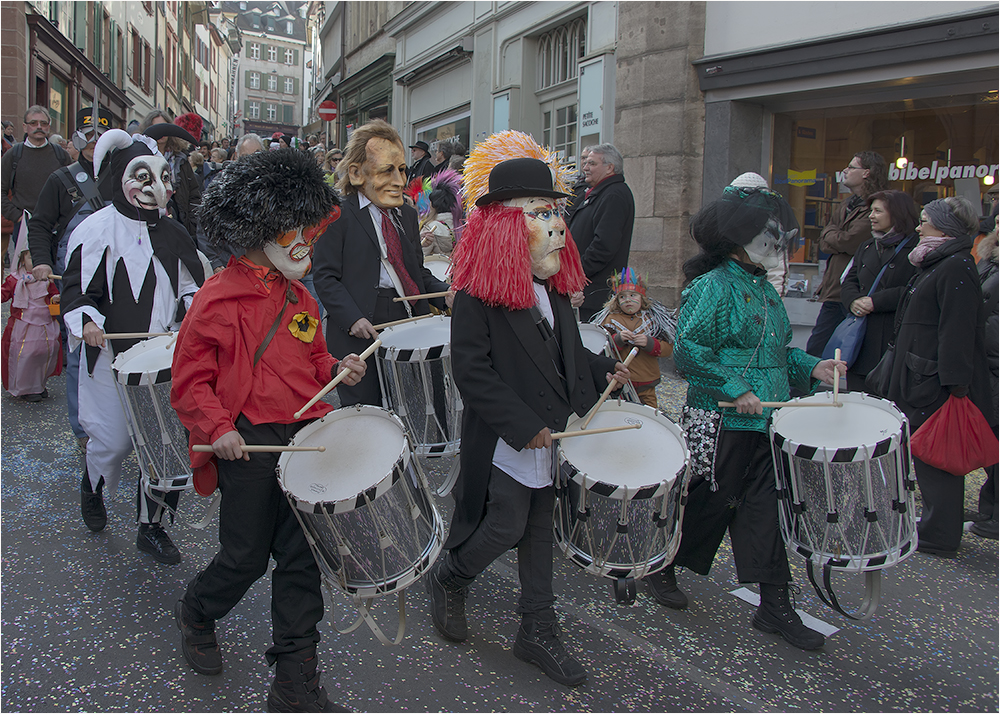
<point>254,110</point>
<point>272,53</point>
<point>254,50</point>
<point>136,64</point>
<point>287,113</point>
<point>272,111</point>
<point>254,80</point>
<point>289,85</point>
<point>272,83</point>
<point>560,51</point>
<point>147,66</point>
<point>289,56</point>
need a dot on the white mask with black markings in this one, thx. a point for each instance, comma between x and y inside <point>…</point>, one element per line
<point>146,182</point>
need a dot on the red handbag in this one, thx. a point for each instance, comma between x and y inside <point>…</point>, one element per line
<point>956,438</point>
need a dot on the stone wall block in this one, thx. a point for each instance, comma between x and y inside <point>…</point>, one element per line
<point>647,235</point>
<point>640,175</point>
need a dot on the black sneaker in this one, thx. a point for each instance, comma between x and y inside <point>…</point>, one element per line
<point>154,540</point>
<point>296,687</point>
<point>447,604</point>
<point>663,588</point>
<point>986,528</point>
<point>198,643</point>
<point>32,398</point>
<point>537,642</point>
<point>92,504</point>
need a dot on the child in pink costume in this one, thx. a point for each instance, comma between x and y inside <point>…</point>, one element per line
<point>31,347</point>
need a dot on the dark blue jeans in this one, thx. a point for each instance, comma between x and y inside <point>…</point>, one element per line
<point>831,314</point>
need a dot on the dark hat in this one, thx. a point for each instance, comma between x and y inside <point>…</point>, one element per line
<point>423,145</point>
<point>520,178</point>
<point>264,194</point>
<point>158,131</point>
<point>85,117</point>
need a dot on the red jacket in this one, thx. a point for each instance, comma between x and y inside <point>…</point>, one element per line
<point>214,379</point>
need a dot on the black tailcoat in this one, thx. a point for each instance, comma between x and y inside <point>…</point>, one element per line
<point>511,390</point>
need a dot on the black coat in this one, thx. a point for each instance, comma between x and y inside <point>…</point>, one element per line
<point>602,229</point>
<point>940,342</point>
<point>346,269</point>
<point>510,390</point>
<point>868,261</point>
<point>421,167</point>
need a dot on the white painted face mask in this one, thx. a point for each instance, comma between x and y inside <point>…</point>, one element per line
<point>769,247</point>
<point>146,182</point>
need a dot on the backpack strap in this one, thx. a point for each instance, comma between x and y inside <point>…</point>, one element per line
<point>79,193</point>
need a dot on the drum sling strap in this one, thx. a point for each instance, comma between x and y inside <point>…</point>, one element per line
<point>217,498</point>
<point>870,602</point>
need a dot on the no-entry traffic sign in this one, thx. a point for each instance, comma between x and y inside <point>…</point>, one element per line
<point>327,110</point>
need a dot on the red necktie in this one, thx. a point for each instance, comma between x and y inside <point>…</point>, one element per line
<point>395,253</point>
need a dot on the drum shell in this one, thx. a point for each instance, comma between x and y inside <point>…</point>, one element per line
<point>417,385</point>
<point>595,539</point>
<point>143,378</point>
<point>847,506</point>
<point>595,339</point>
<point>379,540</point>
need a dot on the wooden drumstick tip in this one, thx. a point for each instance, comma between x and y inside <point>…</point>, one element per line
<point>336,380</point>
<point>836,378</point>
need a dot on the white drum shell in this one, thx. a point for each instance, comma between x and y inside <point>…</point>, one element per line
<point>143,377</point>
<point>439,265</point>
<point>844,484</point>
<point>630,526</point>
<point>595,339</point>
<point>364,504</point>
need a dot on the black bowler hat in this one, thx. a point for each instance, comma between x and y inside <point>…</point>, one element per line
<point>421,145</point>
<point>520,178</point>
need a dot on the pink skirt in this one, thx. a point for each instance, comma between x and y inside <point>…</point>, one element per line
<point>31,354</point>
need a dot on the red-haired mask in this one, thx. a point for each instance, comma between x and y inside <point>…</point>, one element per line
<point>291,252</point>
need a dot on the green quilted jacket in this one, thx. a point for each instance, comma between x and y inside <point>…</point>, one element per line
<point>732,338</point>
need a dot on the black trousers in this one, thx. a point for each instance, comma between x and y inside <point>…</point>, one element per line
<point>746,503</point>
<point>988,494</point>
<point>368,390</point>
<point>515,516</point>
<point>943,518</point>
<point>255,523</point>
<point>831,314</point>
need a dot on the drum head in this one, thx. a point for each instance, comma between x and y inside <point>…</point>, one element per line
<point>429,338</point>
<point>629,459</point>
<point>363,447</point>
<point>147,362</point>
<point>594,337</point>
<point>439,265</point>
<point>863,420</point>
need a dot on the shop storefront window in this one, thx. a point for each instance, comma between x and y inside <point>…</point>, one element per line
<point>933,148</point>
<point>57,105</point>
<point>454,128</point>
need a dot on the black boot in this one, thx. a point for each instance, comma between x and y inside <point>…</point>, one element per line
<point>986,529</point>
<point>447,603</point>
<point>198,643</point>
<point>776,614</point>
<point>537,642</point>
<point>296,686</point>
<point>663,588</point>
<point>92,504</point>
<point>154,540</point>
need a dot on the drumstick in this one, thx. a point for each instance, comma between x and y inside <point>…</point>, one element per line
<point>260,448</point>
<point>400,322</point>
<point>133,335</point>
<point>836,377</point>
<point>336,380</point>
<point>611,385</point>
<point>789,404</point>
<point>425,296</point>
<point>600,430</point>
<point>54,277</point>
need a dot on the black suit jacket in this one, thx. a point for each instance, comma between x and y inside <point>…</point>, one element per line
<point>346,268</point>
<point>511,390</point>
<point>602,229</point>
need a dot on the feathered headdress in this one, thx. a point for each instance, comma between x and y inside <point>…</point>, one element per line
<point>627,279</point>
<point>499,147</point>
<point>417,190</point>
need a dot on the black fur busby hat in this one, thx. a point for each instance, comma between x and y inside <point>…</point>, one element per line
<point>262,195</point>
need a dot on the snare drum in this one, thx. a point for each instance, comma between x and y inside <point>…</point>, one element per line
<point>439,265</point>
<point>844,482</point>
<point>364,504</point>
<point>595,339</point>
<point>611,519</point>
<point>414,369</point>
<point>142,374</point>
